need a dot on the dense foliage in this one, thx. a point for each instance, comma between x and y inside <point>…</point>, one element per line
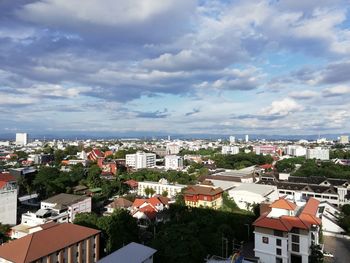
<point>118,229</point>
<point>195,232</point>
<point>344,218</point>
<point>288,165</point>
<point>326,169</point>
<point>240,160</point>
<point>155,176</point>
<point>339,154</point>
<point>316,255</point>
<point>202,152</point>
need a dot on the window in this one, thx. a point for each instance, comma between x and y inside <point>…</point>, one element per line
<point>295,239</point>
<point>278,242</point>
<point>278,233</point>
<point>278,251</point>
<point>265,240</point>
<point>279,260</point>
<point>295,230</point>
<point>295,247</point>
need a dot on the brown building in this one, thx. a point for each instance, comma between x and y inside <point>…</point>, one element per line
<point>61,243</point>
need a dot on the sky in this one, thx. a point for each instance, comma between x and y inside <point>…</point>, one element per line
<point>175,66</point>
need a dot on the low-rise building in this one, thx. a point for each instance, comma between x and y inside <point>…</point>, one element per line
<point>118,203</point>
<point>60,208</point>
<point>329,215</point>
<point>8,199</point>
<point>159,188</point>
<point>57,243</point>
<point>246,195</point>
<point>203,196</point>
<point>286,232</point>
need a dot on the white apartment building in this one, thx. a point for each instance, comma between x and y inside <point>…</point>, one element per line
<point>344,139</point>
<point>229,149</point>
<point>8,199</point>
<point>317,153</point>
<point>173,162</point>
<point>172,148</point>
<point>61,208</point>
<point>232,139</point>
<point>140,160</point>
<point>285,232</point>
<point>160,187</point>
<point>21,138</point>
<point>295,150</point>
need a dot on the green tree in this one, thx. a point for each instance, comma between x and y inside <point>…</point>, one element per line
<point>94,176</point>
<point>4,230</point>
<point>316,255</point>
<point>165,193</point>
<point>48,181</point>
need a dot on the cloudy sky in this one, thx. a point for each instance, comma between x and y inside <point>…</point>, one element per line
<point>175,66</point>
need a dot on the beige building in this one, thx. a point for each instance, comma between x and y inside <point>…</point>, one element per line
<point>61,243</point>
<point>203,196</point>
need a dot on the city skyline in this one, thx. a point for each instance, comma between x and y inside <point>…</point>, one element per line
<point>175,67</point>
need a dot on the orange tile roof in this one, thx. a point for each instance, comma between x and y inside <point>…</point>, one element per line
<point>138,202</point>
<point>283,204</point>
<point>305,220</point>
<point>45,242</point>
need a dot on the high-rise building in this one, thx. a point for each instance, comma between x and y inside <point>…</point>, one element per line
<point>173,162</point>
<point>247,138</point>
<point>232,139</point>
<point>344,139</point>
<point>228,149</point>
<point>172,148</point>
<point>317,153</point>
<point>140,160</point>
<point>21,138</point>
<point>8,199</point>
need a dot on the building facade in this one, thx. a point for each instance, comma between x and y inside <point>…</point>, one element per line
<point>203,196</point>
<point>229,149</point>
<point>160,187</point>
<point>58,243</point>
<point>317,153</point>
<point>140,160</point>
<point>8,199</point>
<point>285,233</point>
<point>21,138</point>
<point>173,162</point>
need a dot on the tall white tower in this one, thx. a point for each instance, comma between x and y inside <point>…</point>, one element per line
<point>247,138</point>
<point>21,138</point>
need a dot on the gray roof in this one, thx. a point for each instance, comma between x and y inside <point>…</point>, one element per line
<point>65,200</point>
<point>131,253</point>
<point>259,189</point>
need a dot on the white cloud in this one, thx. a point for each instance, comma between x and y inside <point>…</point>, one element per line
<point>303,95</point>
<point>282,107</point>
<point>336,91</point>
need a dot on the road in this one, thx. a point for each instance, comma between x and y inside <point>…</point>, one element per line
<point>339,247</point>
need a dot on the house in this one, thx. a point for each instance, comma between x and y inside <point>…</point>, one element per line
<point>119,203</point>
<point>95,154</point>
<point>203,196</point>
<point>159,188</point>
<point>8,199</point>
<point>57,243</point>
<point>60,208</point>
<point>286,231</point>
<point>246,195</point>
<point>131,253</point>
<point>146,210</point>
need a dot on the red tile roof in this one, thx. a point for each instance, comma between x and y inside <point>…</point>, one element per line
<point>283,204</point>
<point>45,242</point>
<point>5,178</point>
<point>202,190</point>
